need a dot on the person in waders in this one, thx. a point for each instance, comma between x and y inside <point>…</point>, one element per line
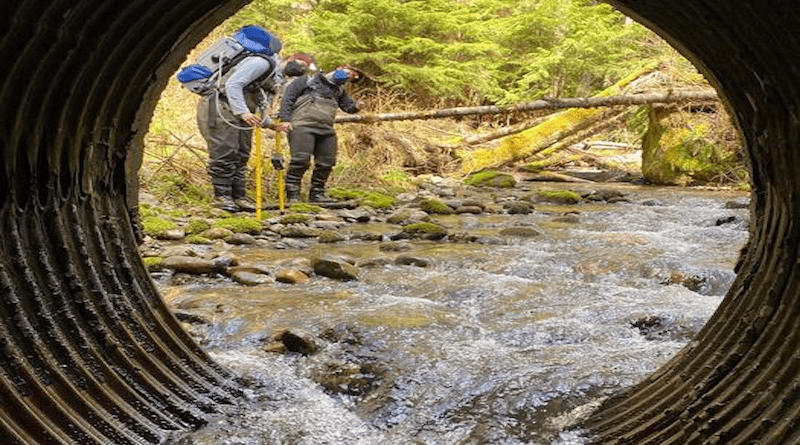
<point>226,116</point>
<point>307,111</point>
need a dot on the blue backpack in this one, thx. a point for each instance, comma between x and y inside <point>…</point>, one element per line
<point>206,73</point>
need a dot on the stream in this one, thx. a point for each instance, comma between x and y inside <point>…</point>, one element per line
<point>508,340</point>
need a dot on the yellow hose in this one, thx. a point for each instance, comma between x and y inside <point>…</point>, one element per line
<point>259,170</point>
<point>281,184</point>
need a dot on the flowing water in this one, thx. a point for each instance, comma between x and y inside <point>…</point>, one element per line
<point>509,340</point>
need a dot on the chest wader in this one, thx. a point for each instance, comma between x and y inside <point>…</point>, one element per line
<point>217,134</point>
<point>229,140</point>
<point>312,134</point>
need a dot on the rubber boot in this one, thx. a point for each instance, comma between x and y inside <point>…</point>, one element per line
<point>292,193</point>
<point>239,194</point>
<point>292,181</point>
<point>317,192</point>
<point>223,197</point>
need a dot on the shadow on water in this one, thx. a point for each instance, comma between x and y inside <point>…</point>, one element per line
<point>509,340</point>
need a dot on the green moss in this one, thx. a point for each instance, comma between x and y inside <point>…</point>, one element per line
<point>239,225</point>
<point>398,217</point>
<point>687,150</point>
<point>426,228</point>
<point>344,194</point>
<point>197,225</point>
<point>197,239</point>
<point>435,206</point>
<point>560,196</point>
<point>396,176</point>
<point>153,262</point>
<point>374,199</point>
<point>155,226</point>
<point>146,211</point>
<point>491,179</point>
<point>378,200</point>
<point>295,218</point>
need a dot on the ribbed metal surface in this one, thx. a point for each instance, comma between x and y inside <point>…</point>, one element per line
<point>739,381</point>
<point>89,353</point>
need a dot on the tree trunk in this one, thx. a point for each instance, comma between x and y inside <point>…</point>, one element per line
<point>662,97</point>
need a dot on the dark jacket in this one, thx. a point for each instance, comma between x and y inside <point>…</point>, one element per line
<point>327,97</point>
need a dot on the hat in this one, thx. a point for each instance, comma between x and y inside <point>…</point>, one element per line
<point>308,61</point>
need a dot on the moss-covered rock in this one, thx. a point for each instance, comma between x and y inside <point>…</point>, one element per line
<point>558,196</point>
<point>425,230</point>
<point>153,263</point>
<point>372,198</point>
<point>330,236</point>
<point>295,218</point>
<point>344,194</point>
<point>491,179</point>
<point>239,225</point>
<point>197,239</point>
<point>197,225</point>
<point>434,206</point>
<point>378,200</point>
<point>156,226</point>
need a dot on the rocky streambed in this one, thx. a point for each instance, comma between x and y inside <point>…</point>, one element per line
<point>459,315</point>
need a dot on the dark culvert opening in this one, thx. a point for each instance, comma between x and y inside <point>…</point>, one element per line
<point>90,353</point>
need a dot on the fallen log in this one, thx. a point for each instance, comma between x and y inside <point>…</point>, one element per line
<point>658,97</point>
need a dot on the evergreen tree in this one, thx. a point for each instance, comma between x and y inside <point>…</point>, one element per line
<point>465,52</point>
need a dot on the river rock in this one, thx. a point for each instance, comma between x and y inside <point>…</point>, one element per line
<point>216,233</point>
<point>609,196</point>
<point>251,268</point>
<point>475,210</point>
<point>300,231</point>
<point>428,231</point>
<point>249,278</point>
<point>394,246</point>
<point>177,250</point>
<point>359,215</point>
<point>187,264</point>
<point>518,208</point>
<point>335,268</point>
<point>241,239</point>
<point>297,341</point>
<point>331,236</point>
<point>366,236</point>
<point>407,215</point>
<point>404,260</point>
<point>223,261</point>
<point>172,235</point>
<point>291,276</point>
<point>521,232</point>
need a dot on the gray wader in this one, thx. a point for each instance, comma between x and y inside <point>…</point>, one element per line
<point>228,150</point>
<point>305,143</point>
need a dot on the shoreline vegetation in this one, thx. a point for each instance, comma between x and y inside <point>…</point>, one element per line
<point>596,92</point>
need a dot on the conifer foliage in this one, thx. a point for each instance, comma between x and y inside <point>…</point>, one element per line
<point>465,52</point>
